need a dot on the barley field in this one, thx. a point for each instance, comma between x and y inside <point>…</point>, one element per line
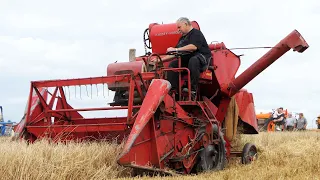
<point>283,155</point>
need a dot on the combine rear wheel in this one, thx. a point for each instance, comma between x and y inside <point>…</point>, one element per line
<point>249,153</point>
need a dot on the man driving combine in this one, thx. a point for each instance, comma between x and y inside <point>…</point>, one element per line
<point>194,41</point>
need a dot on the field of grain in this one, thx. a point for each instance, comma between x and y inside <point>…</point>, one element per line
<point>287,155</point>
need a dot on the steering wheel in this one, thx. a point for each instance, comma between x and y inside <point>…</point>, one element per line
<point>146,38</point>
<point>178,53</point>
<point>149,60</point>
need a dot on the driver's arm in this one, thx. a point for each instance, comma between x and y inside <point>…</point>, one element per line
<point>164,58</point>
<point>167,57</point>
<point>189,47</point>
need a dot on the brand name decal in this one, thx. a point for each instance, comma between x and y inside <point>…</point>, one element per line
<point>167,33</point>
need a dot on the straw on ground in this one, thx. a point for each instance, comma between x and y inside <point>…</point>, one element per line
<point>288,155</point>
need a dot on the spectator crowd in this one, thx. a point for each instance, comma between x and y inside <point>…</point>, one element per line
<point>289,123</point>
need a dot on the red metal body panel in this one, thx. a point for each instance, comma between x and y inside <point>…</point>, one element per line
<point>163,36</point>
<point>227,64</point>
<point>126,67</point>
<point>157,90</point>
<point>217,46</point>
<point>134,67</point>
<point>34,103</point>
<point>247,113</point>
<point>155,95</point>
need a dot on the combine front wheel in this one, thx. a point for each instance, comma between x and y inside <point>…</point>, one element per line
<point>212,157</point>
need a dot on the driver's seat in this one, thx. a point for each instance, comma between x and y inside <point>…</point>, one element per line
<point>205,73</point>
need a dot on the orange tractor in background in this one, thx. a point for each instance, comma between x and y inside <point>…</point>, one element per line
<point>262,117</point>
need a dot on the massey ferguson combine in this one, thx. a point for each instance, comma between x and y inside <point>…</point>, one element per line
<point>161,131</point>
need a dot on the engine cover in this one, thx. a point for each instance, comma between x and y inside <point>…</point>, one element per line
<point>124,68</point>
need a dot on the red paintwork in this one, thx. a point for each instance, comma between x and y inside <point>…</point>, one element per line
<point>247,112</point>
<point>119,68</point>
<point>160,127</point>
<point>228,64</point>
<point>158,89</point>
<point>163,36</point>
<point>217,46</point>
<point>34,103</point>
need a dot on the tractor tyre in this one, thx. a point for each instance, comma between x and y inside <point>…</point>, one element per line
<point>271,126</point>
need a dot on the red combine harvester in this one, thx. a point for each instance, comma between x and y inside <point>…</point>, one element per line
<point>161,132</point>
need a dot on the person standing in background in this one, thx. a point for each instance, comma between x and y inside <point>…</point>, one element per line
<point>318,122</point>
<point>291,123</point>
<point>301,122</point>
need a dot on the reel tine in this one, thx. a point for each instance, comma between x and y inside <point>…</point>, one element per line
<point>103,90</point>
<point>69,93</point>
<point>80,91</point>
<point>87,91</point>
<point>97,90</point>
<point>91,91</point>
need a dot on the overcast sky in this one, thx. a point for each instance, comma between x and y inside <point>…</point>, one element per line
<point>42,40</point>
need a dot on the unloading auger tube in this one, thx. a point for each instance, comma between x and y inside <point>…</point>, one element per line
<point>292,41</point>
